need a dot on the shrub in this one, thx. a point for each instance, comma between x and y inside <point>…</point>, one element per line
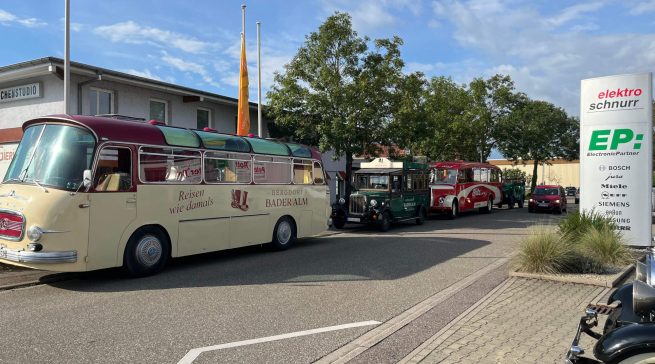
<point>577,223</point>
<point>543,251</point>
<point>602,247</point>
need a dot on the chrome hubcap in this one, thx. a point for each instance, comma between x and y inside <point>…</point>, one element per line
<point>284,232</point>
<point>148,251</point>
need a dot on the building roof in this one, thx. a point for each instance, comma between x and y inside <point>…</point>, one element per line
<point>55,65</point>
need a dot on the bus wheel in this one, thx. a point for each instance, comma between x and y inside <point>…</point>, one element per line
<point>420,219</point>
<point>510,204</point>
<point>385,224</point>
<point>284,233</point>
<point>487,209</point>
<point>520,203</point>
<point>453,211</point>
<point>147,252</point>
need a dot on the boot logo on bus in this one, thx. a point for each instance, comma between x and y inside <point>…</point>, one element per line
<point>240,200</point>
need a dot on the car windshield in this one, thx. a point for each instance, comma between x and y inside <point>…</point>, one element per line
<point>546,191</point>
<point>52,155</point>
<point>443,176</point>
<point>372,182</point>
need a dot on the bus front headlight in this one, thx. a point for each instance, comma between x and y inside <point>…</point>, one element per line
<point>34,233</point>
<point>374,203</point>
<point>342,201</point>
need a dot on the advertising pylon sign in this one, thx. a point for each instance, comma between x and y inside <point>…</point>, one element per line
<point>616,152</point>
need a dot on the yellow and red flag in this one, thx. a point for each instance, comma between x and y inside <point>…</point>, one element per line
<point>243,118</point>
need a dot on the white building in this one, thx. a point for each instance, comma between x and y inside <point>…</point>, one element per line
<point>36,88</point>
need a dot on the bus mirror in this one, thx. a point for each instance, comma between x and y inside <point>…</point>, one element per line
<point>86,178</point>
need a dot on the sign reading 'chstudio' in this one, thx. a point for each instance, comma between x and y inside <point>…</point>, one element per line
<point>616,152</point>
<point>21,92</point>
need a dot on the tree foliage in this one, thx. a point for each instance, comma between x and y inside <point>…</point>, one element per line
<point>537,131</point>
<point>337,93</point>
<point>346,93</point>
<point>451,121</point>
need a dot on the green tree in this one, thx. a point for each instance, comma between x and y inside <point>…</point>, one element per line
<point>451,121</point>
<point>491,100</point>
<point>514,174</point>
<point>539,131</point>
<point>408,127</point>
<point>444,130</point>
<point>337,93</point>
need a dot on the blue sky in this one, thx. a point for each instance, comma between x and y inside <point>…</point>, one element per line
<point>547,47</point>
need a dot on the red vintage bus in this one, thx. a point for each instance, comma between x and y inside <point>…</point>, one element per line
<point>463,186</point>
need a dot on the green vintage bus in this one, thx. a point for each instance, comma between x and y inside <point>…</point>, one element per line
<point>385,192</point>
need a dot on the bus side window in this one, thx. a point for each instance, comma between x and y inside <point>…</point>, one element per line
<point>302,172</point>
<point>461,176</point>
<point>318,174</point>
<point>114,170</point>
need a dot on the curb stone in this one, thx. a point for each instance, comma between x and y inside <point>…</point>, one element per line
<point>609,281</point>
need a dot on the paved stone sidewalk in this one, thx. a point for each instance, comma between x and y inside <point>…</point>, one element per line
<point>521,321</point>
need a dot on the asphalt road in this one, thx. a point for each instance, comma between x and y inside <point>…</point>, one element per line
<point>230,297</point>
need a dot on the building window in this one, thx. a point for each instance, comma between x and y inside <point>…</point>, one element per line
<point>159,110</point>
<point>101,101</point>
<point>203,117</point>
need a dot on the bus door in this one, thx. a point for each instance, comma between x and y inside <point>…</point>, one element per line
<point>112,204</point>
<point>409,196</point>
<point>397,193</point>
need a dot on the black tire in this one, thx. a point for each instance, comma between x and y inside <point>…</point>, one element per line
<point>521,203</point>
<point>284,233</point>
<point>454,211</point>
<point>339,221</point>
<point>385,223</point>
<point>510,204</point>
<point>487,209</point>
<point>635,358</point>
<point>147,252</point>
<point>420,217</point>
<point>559,210</point>
<point>577,201</point>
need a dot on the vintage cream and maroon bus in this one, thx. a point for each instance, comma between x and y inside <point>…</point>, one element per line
<point>85,193</point>
<point>463,186</point>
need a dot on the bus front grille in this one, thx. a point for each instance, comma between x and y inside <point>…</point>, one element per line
<point>357,204</point>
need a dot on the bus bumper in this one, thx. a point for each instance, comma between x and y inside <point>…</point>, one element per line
<point>23,256</point>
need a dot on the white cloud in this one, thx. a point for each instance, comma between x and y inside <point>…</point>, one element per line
<point>7,18</point>
<point>369,15</point>
<point>545,59</point>
<point>190,67</point>
<point>642,7</point>
<point>133,33</point>
<point>574,12</point>
<point>145,73</point>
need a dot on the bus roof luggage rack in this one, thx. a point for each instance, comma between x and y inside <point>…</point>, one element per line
<point>122,117</point>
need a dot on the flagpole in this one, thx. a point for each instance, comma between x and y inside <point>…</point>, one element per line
<point>260,122</point>
<point>67,65</point>
<point>243,20</point>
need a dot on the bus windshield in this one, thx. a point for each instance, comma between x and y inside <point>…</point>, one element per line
<point>372,182</point>
<point>440,176</point>
<point>52,155</point>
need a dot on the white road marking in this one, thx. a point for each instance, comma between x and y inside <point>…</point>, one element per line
<point>194,353</point>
